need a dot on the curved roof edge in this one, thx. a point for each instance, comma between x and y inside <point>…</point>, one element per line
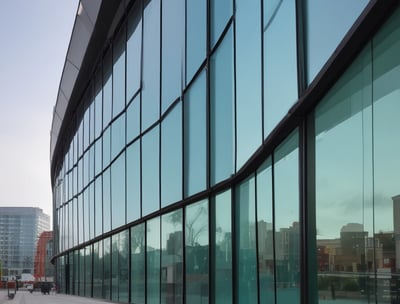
<point>85,20</point>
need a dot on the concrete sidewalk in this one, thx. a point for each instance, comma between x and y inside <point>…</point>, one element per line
<point>25,297</point>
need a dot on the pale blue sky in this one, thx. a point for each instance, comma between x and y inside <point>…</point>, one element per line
<point>34,38</point>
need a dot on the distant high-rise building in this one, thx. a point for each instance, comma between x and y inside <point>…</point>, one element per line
<point>20,228</point>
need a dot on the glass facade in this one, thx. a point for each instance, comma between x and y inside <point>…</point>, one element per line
<point>198,169</point>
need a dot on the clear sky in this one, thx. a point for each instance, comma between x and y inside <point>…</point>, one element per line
<point>34,38</point>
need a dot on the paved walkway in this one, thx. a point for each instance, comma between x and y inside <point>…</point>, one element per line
<point>25,297</point>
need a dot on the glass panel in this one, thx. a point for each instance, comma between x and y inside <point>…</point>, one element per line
<point>86,121</point>
<point>133,195</point>
<point>117,136</point>
<point>98,156</point>
<point>119,73</point>
<point>195,122</point>
<point>196,35</point>
<point>153,267</point>
<point>107,268</point>
<point>106,201</point>
<point>171,258</point>
<point>173,51</point>
<point>196,254</point>
<point>221,111</point>
<point>324,33</point>
<point>265,232</point>
<point>98,206</point>
<point>85,169</point>
<point>74,204</point>
<point>98,270</point>
<point>150,172</point>
<point>123,267</point>
<point>91,211</point>
<point>287,232</point>
<point>248,79</point>
<point>81,272</point>
<point>114,267</point>
<point>246,248</point>
<point>386,107</point>
<point>280,61</point>
<point>171,157</point>
<point>86,215</point>
<point>133,119</point>
<point>81,227</point>
<point>344,247</point>
<point>106,147</point>
<point>151,63</point>
<point>221,11</point>
<point>221,258</point>
<point>98,105</point>
<point>118,192</point>
<point>88,271</point>
<point>134,50</point>
<point>107,89</point>
<point>138,278</point>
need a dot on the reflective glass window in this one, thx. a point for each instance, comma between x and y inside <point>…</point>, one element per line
<point>133,195</point>
<point>248,79</point>
<point>134,50</point>
<point>220,11</point>
<point>133,119</point>
<point>106,147</point>
<point>173,51</point>
<point>75,224</point>
<point>91,163</point>
<point>196,36</point>
<point>98,199</point>
<point>79,180</point>
<point>86,215</point>
<point>85,169</point>
<point>98,105</point>
<point>324,33</point>
<point>343,119</point>
<point>98,156</point>
<point>107,268</point>
<point>80,138</point>
<point>221,258</point>
<point>119,73</point>
<point>123,266</point>
<point>98,269</point>
<point>153,267</point>
<point>138,278</point>
<point>91,124</point>
<point>118,192</point>
<point>195,141</point>
<point>91,211</point>
<point>88,271</point>
<point>117,136</point>
<point>150,171</point>
<point>86,129</point>
<point>287,230</point>
<point>81,227</point>
<point>107,89</point>
<point>114,267</point>
<point>280,61</point>
<point>196,252</point>
<point>246,248</point>
<point>151,63</point>
<point>81,272</point>
<point>265,232</point>
<point>386,110</point>
<point>222,110</point>
<point>106,201</point>
<point>171,257</point>
<point>171,156</point>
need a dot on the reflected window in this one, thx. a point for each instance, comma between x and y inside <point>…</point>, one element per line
<point>221,110</point>
<point>134,50</point>
<point>171,257</point>
<point>151,63</point>
<point>287,227</point>
<point>173,51</point>
<point>150,171</point>
<point>248,79</point>
<point>195,141</point>
<point>280,61</point>
<point>196,249</point>
<point>324,33</point>
<point>171,156</point>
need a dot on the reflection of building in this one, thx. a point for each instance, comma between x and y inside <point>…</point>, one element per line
<point>166,104</point>
<point>44,251</point>
<point>19,229</point>
<point>396,227</point>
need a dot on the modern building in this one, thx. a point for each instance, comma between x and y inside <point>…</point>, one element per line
<point>20,228</point>
<point>44,269</point>
<point>229,151</point>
